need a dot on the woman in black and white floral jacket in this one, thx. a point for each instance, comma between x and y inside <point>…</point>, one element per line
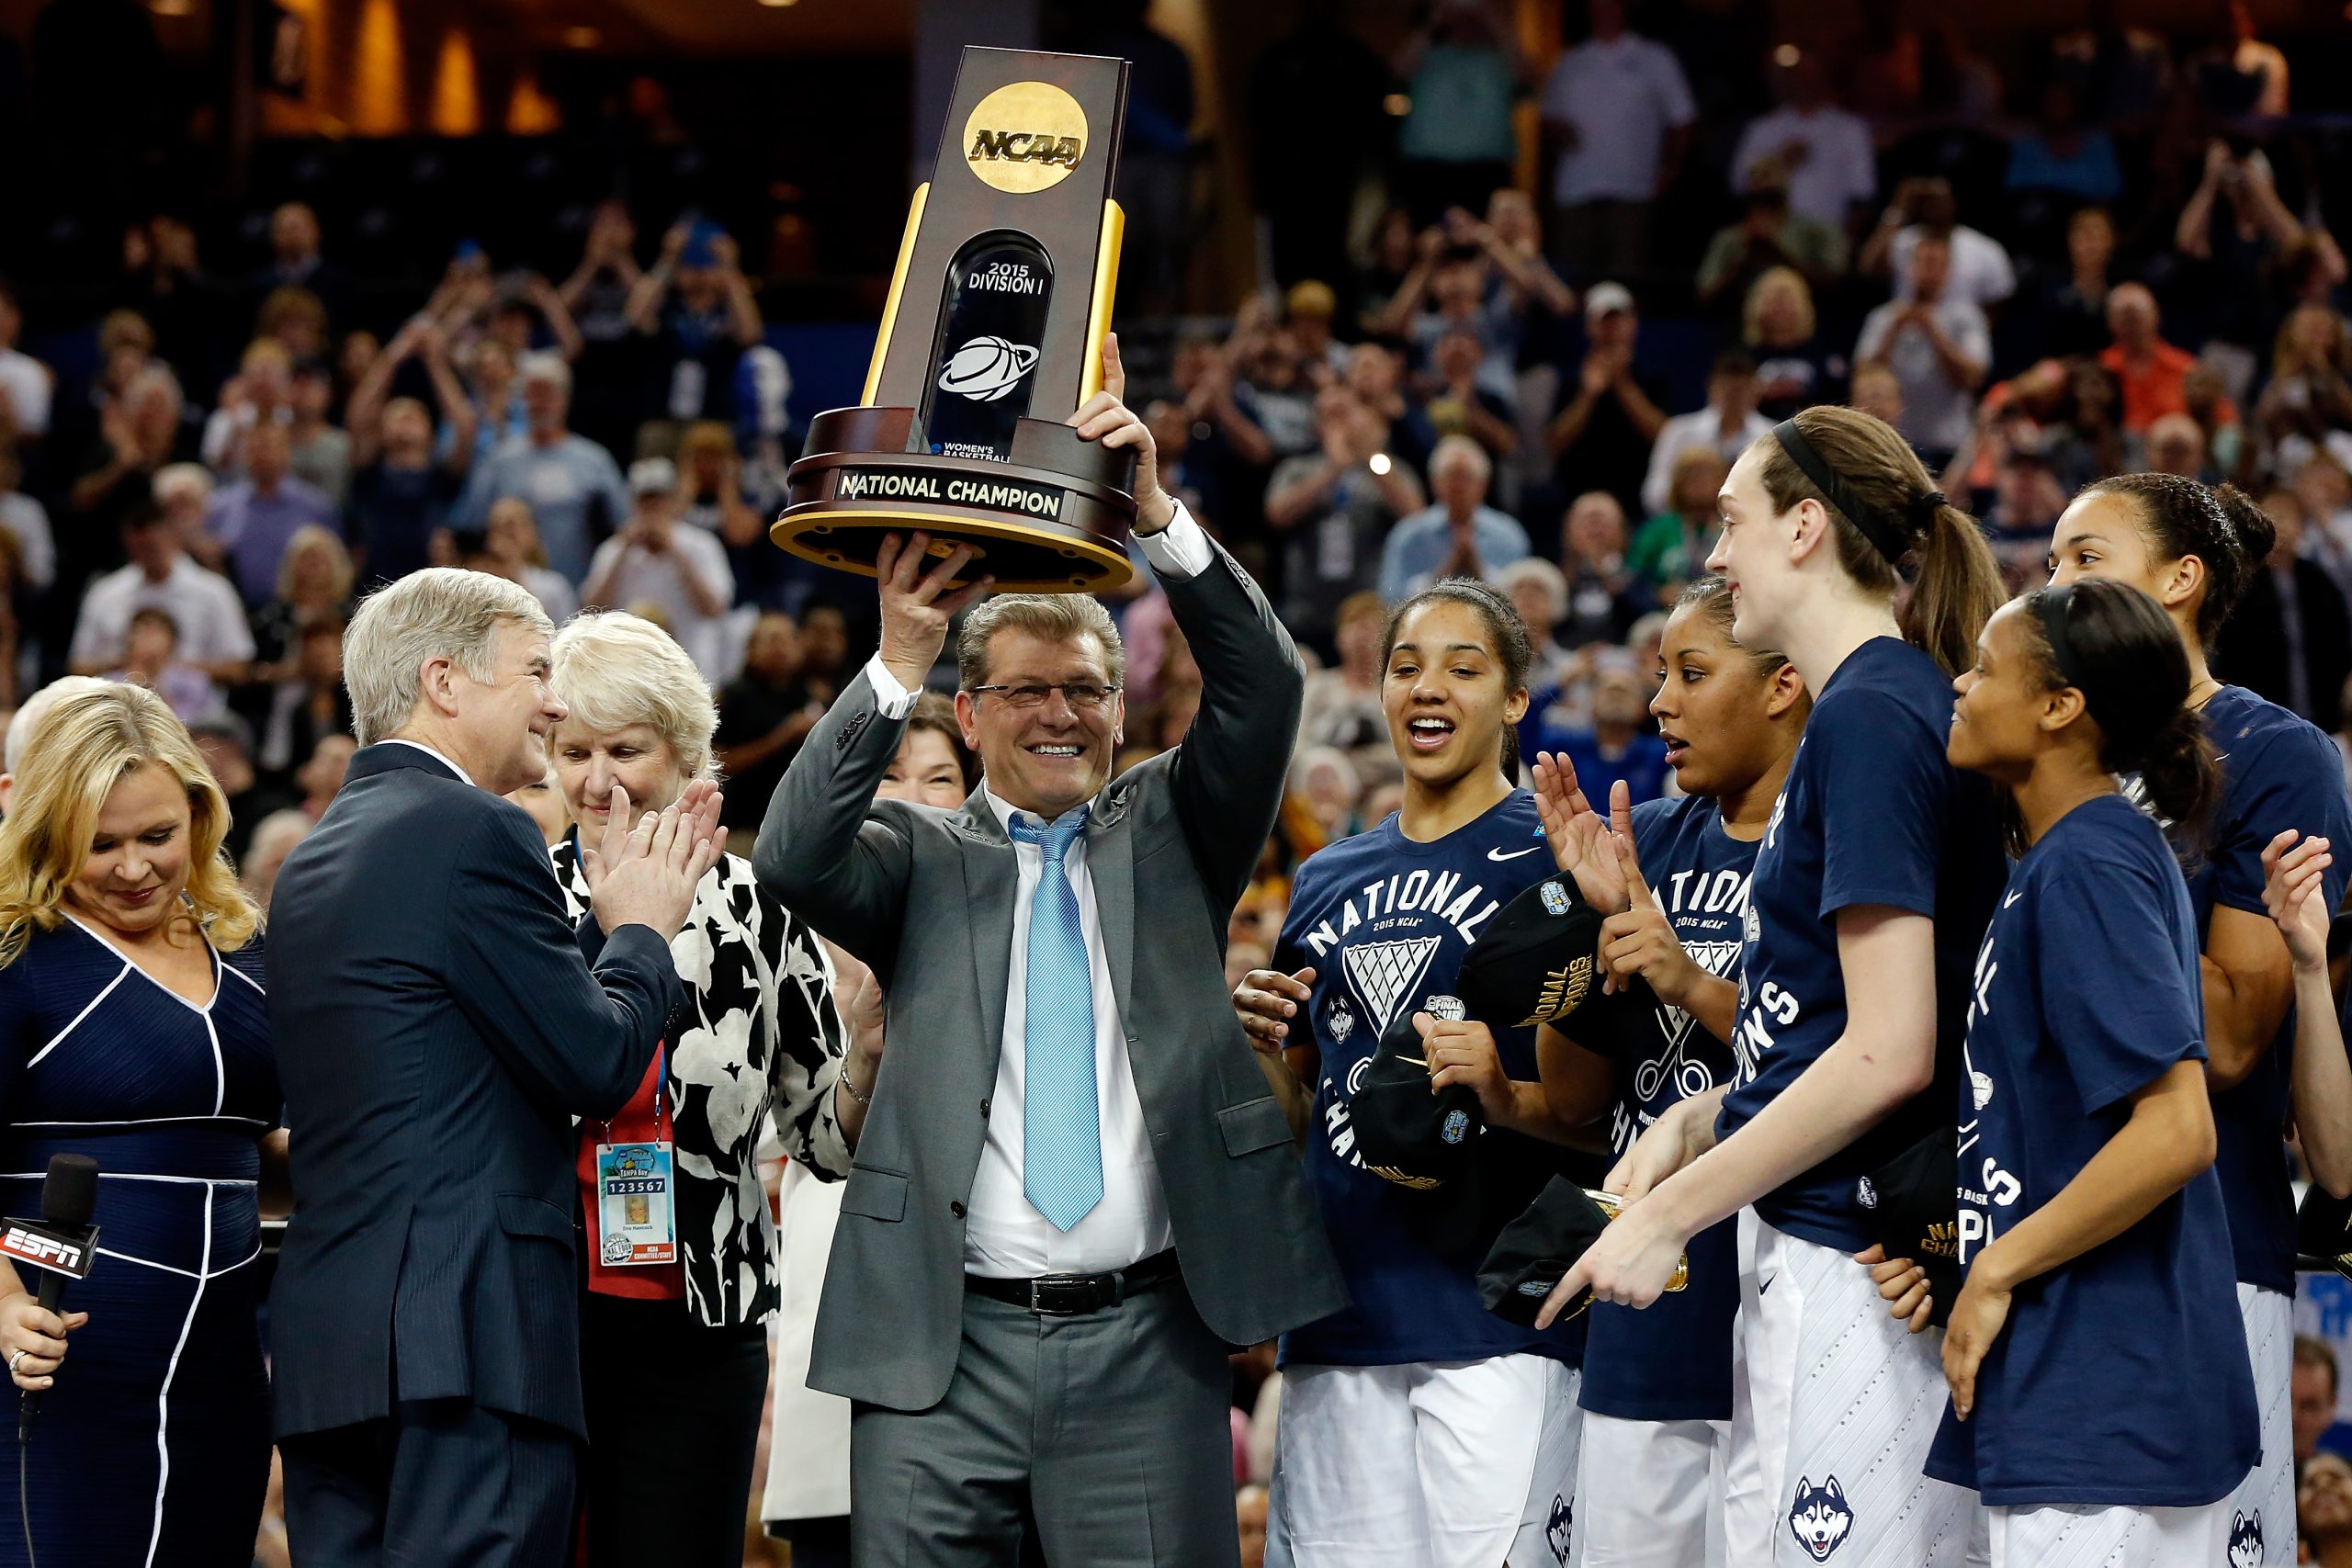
<point>674,1355</point>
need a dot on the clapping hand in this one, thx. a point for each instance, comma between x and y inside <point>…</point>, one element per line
<point>1640,941</point>
<point>2294,875</point>
<point>1580,840</point>
<point>646,874</point>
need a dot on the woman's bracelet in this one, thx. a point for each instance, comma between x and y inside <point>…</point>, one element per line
<point>865,1099</point>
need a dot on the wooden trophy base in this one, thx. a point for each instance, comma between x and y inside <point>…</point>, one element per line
<point>1053,520</point>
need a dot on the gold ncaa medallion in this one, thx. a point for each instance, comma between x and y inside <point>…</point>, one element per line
<point>1025,136</point>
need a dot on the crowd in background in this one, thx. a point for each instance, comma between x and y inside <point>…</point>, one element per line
<point>2107,254</point>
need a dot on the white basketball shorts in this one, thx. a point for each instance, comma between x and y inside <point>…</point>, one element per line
<point>2266,1498</point>
<point>2114,1537</point>
<point>1649,1494</point>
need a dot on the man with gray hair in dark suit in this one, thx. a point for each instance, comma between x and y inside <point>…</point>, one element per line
<point>1073,1190</point>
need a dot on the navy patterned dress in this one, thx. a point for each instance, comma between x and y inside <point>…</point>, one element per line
<point>153,1448</point>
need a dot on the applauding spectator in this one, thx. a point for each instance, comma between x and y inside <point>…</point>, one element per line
<point>1604,597</point>
<point>573,484</point>
<point>252,522</point>
<point>654,561</point>
<point>2152,371</point>
<point>1600,438</point>
<point>510,549</point>
<point>1725,426</point>
<point>1337,507</point>
<point>764,715</point>
<point>1795,369</point>
<point>1458,536</point>
<point>696,305</point>
<point>400,492</point>
<point>1939,346</point>
<point>203,605</point>
<point>1823,153</point>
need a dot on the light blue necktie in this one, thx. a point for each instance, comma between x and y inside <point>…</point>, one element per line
<point>1061,1125</point>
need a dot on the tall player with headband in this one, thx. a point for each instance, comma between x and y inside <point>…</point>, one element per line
<point>2194,548</point>
<point>1419,1431</point>
<point>2100,1401</point>
<point>1877,875</point>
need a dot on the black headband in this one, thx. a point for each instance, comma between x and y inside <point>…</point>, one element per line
<point>1880,529</point>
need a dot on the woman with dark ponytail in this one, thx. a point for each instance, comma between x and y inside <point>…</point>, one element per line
<point>2100,1400</point>
<point>1877,873</point>
<point>1417,1428</point>
<point>2194,550</point>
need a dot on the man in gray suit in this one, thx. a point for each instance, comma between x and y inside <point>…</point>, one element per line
<point>1073,1190</point>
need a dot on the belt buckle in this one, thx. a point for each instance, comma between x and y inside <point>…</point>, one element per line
<point>1068,1289</point>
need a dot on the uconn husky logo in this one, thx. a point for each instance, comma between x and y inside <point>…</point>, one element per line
<point>1556,1531</point>
<point>2245,1539</point>
<point>1819,1517</point>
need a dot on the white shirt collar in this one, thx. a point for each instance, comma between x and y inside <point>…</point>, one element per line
<point>1006,811</point>
<point>437,756</point>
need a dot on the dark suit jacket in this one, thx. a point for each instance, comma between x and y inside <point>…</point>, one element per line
<point>2251,649</point>
<point>926,897</point>
<point>436,1028</point>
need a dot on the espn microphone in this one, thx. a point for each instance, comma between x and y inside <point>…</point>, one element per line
<point>69,1196</point>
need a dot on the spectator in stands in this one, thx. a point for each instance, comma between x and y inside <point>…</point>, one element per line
<point>203,605</point>
<point>2150,369</point>
<point>2028,496</point>
<point>2314,1399</point>
<point>1978,268</point>
<point>2290,638</point>
<point>322,773</point>
<point>1463,405</point>
<point>1795,368</point>
<point>139,433</point>
<point>25,521</point>
<point>2307,399</point>
<point>150,657</point>
<point>696,305</point>
<point>2063,156</point>
<point>296,320</point>
<point>510,548</point>
<point>227,744</point>
<point>1672,548</point>
<point>764,715</point>
<point>1308,306</point>
<point>164,283</point>
<point>1617,114</point>
<point>495,393</point>
<point>682,570</point>
<point>315,584</point>
<point>1876,391</point>
<point>1619,744</point>
<point>2324,1509</point>
<point>319,453</point>
<point>2325,493</point>
<point>2216,418</point>
<point>1375,376</point>
<point>1342,704</point>
<point>400,492</point>
<point>26,383</point>
<point>1600,438</point>
<point>1461,70</point>
<point>1458,535</point>
<point>295,260</point>
<point>274,838</point>
<point>1824,154</point>
<point>261,392</point>
<point>1270,387</point>
<point>1604,597</point>
<point>526,313</point>
<point>1769,238</point>
<point>573,486</point>
<point>1451,280</point>
<point>1938,344</point>
<point>1539,591</point>
<point>2071,310</point>
<point>1336,505</point>
<point>1726,425</point>
<point>308,702</point>
<point>2236,224</point>
<point>2175,445</point>
<point>1512,237</point>
<point>253,520</point>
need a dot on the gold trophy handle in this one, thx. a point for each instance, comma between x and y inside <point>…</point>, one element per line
<point>1610,1204</point>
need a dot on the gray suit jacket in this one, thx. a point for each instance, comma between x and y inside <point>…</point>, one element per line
<point>926,897</point>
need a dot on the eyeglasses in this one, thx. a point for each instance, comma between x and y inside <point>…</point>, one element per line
<point>1083,696</point>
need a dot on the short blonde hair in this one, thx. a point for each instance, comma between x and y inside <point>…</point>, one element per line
<point>441,612</point>
<point>1752,310</point>
<point>613,670</point>
<point>1054,617</point>
<point>311,536</point>
<point>78,751</point>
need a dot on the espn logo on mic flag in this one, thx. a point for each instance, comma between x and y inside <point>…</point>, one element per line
<point>70,1253</point>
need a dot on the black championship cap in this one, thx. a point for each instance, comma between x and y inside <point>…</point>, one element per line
<point>1912,1206</point>
<point>2324,1232</point>
<point>1536,1249</point>
<point>1537,960</point>
<point>1406,1134</point>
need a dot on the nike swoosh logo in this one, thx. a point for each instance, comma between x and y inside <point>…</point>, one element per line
<point>2012,898</point>
<point>1497,854</point>
<point>1764,1285</point>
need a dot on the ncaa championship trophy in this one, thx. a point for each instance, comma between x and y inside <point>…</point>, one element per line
<point>992,337</point>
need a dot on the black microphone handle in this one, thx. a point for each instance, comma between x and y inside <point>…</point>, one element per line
<point>50,1296</point>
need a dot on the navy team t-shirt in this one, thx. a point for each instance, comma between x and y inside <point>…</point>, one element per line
<point>1385,921</point>
<point>2281,773</point>
<point>1671,1361</point>
<point>2120,1379</point>
<point>1872,814</point>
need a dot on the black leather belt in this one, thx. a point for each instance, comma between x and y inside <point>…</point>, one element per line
<point>1072,1295</point>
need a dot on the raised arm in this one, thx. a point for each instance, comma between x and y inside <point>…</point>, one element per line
<point>2321,1080</point>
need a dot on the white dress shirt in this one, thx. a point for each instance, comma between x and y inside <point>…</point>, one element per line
<point>1004,1235</point>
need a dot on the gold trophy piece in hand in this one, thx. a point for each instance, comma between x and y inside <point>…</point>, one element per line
<point>1608,1204</point>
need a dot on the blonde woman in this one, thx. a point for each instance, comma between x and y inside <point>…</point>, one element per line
<point>313,585</point>
<point>133,1030</point>
<point>1795,368</point>
<point>672,1436</point>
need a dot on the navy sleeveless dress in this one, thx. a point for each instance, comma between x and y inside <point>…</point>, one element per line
<point>153,1448</point>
